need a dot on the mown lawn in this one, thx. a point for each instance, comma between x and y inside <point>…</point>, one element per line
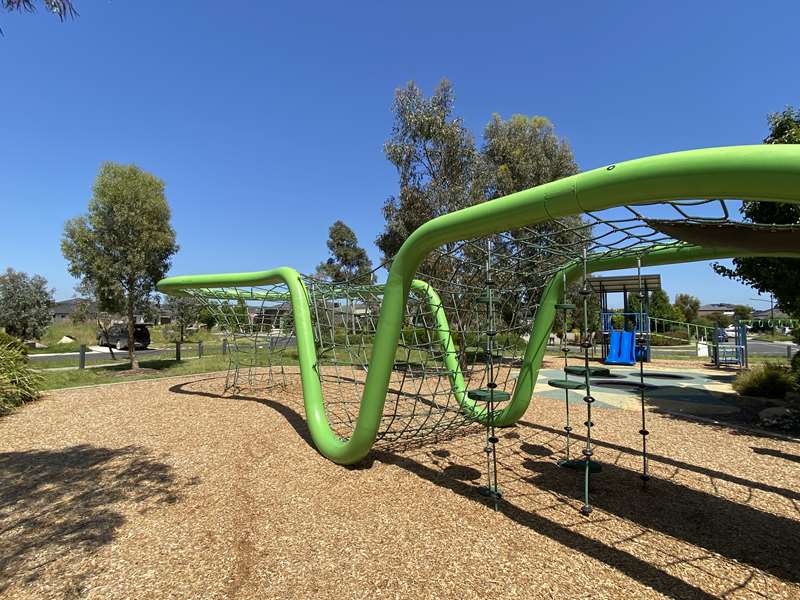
<point>151,369</point>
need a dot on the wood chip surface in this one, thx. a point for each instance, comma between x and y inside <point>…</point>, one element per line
<point>172,489</point>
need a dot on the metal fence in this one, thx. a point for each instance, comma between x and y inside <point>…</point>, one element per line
<point>87,359</point>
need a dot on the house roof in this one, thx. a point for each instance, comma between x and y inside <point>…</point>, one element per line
<point>721,307</point>
<point>766,313</point>
<point>71,304</point>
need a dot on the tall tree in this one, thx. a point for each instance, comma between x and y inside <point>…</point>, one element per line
<point>778,276</point>
<point>688,306</point>
<point>436,160</point>
<point>348,261</point>
<point>441,170</point>
<point>524,152</point>
<point>123,245</point>
<point>24,304</point>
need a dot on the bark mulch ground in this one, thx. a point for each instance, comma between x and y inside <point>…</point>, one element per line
<point>170,489</point>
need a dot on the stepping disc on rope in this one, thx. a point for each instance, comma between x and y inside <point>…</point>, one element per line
<point>566,384</point>
<point>578,464</point>
<point>483,395</point>
<point>593,371</point>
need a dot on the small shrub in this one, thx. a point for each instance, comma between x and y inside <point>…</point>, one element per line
<point>6,338</point>
<point>19,383</point>
<point>767,381</point>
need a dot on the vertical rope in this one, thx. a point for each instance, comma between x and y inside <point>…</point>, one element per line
<point>587,451</point>
<point>565,350</point>
<point>490,333</point>
<point>643,431</point>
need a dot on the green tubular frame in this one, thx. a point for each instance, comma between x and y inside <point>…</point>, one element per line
<point>765,172</point>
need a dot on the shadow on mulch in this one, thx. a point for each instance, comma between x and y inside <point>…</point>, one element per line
<point>55,503</point>
<point>737,531</point>
<point>747,415</point>
<point>666,460</point>
<point>777,454</point>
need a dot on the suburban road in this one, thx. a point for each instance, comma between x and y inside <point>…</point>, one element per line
<point>769,348</point>
<point>95,353</point>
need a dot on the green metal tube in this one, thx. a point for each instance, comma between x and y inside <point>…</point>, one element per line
<point>765,172</point>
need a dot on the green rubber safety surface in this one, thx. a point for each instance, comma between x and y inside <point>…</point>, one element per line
<point>483,395</point>
<point>593,371</point>
<point>566,384</point>
<point>578,464</point>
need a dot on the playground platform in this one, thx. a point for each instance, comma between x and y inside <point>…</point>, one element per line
<point>688,391</point>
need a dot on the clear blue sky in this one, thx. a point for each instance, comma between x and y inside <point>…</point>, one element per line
<point>267,114</point>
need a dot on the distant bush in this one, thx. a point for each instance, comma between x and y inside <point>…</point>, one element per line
<point>18,382</point>
<point>675,337</point>
<point>769,380</point>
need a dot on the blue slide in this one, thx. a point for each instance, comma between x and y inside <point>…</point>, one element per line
<point>621,348</point>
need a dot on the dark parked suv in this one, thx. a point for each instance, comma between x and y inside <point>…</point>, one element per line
<point>118,336</point>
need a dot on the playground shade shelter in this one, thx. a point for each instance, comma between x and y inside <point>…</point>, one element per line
<point>466,310</point>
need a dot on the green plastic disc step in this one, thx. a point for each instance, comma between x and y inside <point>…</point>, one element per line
<point>566,384</point>
<point>565,307</point>
<point>483,394</point>
<point>578,464</point>
<point>593,371</point>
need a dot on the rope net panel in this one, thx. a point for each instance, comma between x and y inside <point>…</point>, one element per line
<point>468,316</point>
<point>258,324</point>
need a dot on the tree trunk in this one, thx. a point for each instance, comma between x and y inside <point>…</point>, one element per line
<point>131,336</point>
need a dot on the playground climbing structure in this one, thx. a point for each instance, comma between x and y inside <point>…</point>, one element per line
<point>407,359</point>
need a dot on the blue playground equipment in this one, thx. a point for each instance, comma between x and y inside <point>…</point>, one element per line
<point>631,342</point>
<point>621,347</point>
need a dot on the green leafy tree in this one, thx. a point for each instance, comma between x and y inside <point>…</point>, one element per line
<point>207,318</point>
<point>524,152</point>
<point>658,306</point>
<point>720,319</point>
<point>784,127</point>
<point>688,306</point>
<point>742,311</point>
<point>185,311</point>
<point>520,153</point>
<point>24,304</point>
<point>436,160</point>
<point>348,261</point>
<point>123,246</point>
<point>82,312</point>
<point>778,276</point>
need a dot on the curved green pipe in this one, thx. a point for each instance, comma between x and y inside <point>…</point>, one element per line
<point>765,172</point>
